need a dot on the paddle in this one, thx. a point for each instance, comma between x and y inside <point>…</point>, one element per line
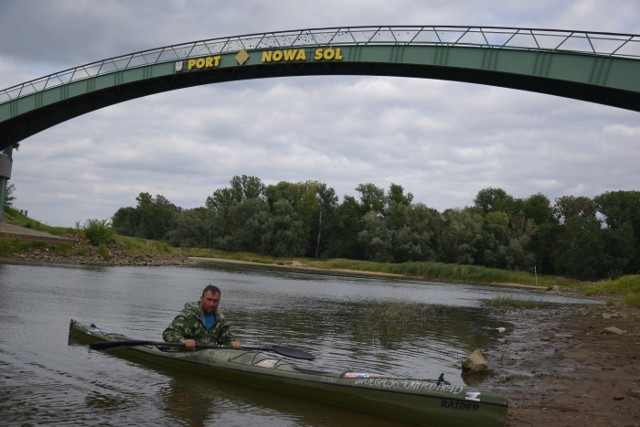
<point>284,351</point>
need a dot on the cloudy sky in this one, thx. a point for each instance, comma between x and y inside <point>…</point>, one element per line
<point>442,141</point>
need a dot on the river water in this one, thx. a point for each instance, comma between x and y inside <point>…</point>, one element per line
<point>402,327</point>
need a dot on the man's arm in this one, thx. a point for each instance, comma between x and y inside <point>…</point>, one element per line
<point>176,331</point>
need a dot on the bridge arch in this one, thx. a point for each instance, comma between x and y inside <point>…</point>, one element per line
<point>596,67</point>
<point>589,66</point>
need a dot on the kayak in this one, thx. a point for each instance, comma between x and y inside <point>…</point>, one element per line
<point>428,402</point>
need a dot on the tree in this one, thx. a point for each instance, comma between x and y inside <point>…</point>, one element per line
<point>284,236</point>
<point>152,218</point>
<point>157,216</point>
<point>375,238</point>
<point>246,187</point>
<point>397,207</point>
<point>409,226</point>
<point>569,206</point>
<point>396,195</point>
<point>225,230</point>
<point>190,230</point>
<point>328,201</point>
<point>126,221</point>
<point>302,198</point>
<point>461,236</point>
<point>538,208</point>
<point>495,238</point>
<point>342,230</point>
<point>618,207</point>
<point>517,253</point>
<point>9,197</point>
<point>620,213</point>
<point>580,248</point>
<point>250,220</point>
<point>219,206</point>
<point>371,198</point>
<point>580,244</point>
<point>425,224</point>
<point>494,200</point>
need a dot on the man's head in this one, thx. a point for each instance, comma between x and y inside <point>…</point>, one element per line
<point>210,299</point>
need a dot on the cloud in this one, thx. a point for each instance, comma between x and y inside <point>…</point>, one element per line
<point>442,141</point>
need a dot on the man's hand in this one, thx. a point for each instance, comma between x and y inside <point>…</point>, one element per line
<point>236,345</point>
<point>188,343</point>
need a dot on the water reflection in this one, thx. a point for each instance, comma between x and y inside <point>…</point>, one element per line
<point>380,336</point>
<point>187,405</point>
<point>405,328</point>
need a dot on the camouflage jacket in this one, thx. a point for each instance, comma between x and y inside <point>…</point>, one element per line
<point>190,324</point>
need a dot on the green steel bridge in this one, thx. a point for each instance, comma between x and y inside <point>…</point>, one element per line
<point>589,66</point>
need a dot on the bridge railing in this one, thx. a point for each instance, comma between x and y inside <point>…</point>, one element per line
<point>581,42</point>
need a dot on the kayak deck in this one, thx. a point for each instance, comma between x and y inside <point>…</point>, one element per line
<point>419,401</point>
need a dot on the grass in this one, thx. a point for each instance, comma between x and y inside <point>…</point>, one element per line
<point>137,246</point>
<point>236,256</point>
<point>442,271</point>
<point>13,216</point>
<point>401,312</point>
<point>395,318</point>
<point>128,245</point>
<point>509,302</point>
<point>627,288</point>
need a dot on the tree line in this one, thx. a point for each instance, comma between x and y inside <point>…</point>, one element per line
<point>577,237</point>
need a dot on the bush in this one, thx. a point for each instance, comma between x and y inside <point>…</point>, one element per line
<point>6,247</point>
<point>103,251</point>
<point>99,231</point>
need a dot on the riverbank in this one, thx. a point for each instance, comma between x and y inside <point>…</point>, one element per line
<point>37,247</point>
<point>74,248</point>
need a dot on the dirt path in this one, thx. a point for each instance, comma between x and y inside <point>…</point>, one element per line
<point>559,368</point>
<point>17,232</point>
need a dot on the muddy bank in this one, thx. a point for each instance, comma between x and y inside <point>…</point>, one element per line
<point>113,257</point>
<point>565,367</point>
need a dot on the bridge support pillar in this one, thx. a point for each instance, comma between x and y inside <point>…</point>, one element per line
<point>5,173</point>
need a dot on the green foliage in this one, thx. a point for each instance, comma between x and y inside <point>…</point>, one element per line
<point>284,235</point>
<point>9,197</point>
<point>126,221</point>
<point>395,317</point>
<point>103,251</point>
<point>509,302</point>
<point>99,232</point>
<point>627,287</point>
<point>10,246</point>
<point>582,238</point>
<point>7,247</point>
<point>191,229</point>
<point>494,200</point>
<point>632,299</point>
<point>18,218</point>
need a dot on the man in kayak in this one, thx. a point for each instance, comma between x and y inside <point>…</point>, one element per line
<point>201,322</point>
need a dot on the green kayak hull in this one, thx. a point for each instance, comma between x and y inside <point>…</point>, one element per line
<point>419,401</point>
